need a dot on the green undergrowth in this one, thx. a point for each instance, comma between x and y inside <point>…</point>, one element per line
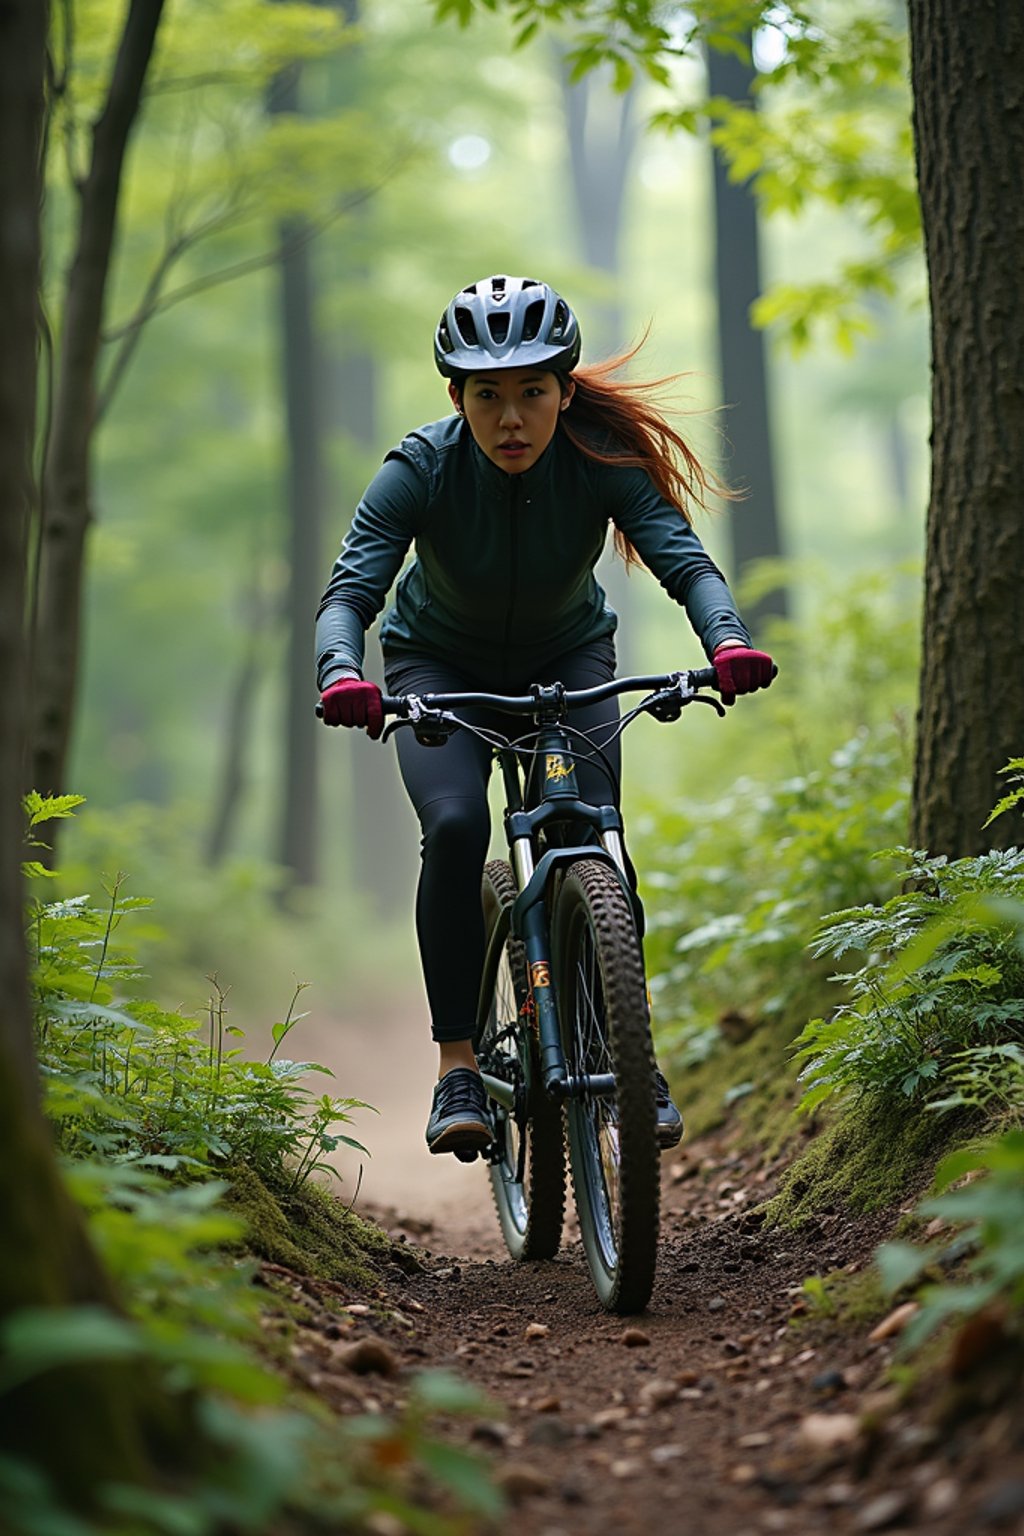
<point>840,1303</point>
<point>193,1153</point>
<point>741,1085</point>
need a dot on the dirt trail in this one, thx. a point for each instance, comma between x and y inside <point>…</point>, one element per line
<point>726,1410</point>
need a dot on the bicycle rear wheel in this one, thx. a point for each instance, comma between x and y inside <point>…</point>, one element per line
<point>605,1028</point>
<point>528,1169</point>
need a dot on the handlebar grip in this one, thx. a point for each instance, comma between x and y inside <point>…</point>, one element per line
<point>704,677</point>
<point>391,706</point>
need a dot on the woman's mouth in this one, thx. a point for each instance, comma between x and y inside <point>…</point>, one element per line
<point>513,447</point>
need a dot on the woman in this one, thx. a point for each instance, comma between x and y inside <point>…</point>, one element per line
<point>508,503</point>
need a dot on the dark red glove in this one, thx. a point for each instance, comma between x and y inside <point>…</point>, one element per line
<point>741,670</point>
<point>350,701</point>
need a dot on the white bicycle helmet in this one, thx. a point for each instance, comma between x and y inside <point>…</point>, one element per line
<point>506,322</point>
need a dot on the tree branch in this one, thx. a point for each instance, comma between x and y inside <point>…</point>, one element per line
<point>153,303</point>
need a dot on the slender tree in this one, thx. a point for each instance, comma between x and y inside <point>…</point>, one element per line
<point>967,66</point>
<point>754,524</point>
<point>601,136</point>
<point>67,474</point>
<point>303,399</point>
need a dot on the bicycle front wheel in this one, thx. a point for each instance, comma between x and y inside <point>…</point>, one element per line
<point>528,1166</point>
<point>605,1029</point>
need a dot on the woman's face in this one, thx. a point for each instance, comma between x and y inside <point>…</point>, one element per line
<point>512,413</point>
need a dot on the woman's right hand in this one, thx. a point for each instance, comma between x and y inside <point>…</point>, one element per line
<point>351,701</point>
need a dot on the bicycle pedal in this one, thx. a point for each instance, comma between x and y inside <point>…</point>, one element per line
<point>467,1157</point>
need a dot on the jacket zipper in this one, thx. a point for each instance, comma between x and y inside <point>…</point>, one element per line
<point>513,575</point>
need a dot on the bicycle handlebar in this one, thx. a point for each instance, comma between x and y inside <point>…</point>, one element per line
<point>527,703</point>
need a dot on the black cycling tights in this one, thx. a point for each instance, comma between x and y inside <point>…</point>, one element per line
<point>448,788</point>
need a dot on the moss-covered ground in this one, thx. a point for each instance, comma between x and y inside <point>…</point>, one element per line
<point>863,1155</point>
<point>309,1230</point>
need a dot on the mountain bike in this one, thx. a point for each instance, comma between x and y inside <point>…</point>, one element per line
<point>563,1023</point>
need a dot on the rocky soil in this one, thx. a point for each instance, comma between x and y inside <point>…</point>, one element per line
<point>730,1408</point>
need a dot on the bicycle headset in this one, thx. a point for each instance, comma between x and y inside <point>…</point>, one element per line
<point>506,322</point>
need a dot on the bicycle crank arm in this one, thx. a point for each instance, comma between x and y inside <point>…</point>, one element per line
<point>501,1092</point>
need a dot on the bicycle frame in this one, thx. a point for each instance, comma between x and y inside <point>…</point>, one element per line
<point>527,918</point>
<point>558,802</point>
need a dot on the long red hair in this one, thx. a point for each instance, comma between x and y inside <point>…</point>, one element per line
<point>617,421</point>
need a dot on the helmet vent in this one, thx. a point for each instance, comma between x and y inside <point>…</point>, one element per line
<point>467,327</point>
<point>532,319</point>
<point>561,320</point>
<point>498,327</point>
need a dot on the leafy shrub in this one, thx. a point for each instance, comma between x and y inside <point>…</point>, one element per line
<point>132,1082</point>
<point>740,885</point>
<point>940,995</point>
<point>989,1213</point>
<point>738,881</point>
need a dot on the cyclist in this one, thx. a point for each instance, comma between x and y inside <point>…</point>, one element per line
<point>508,502</point>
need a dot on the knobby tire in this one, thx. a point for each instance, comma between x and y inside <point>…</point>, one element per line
<point>530,1211</point>
<point>605,1027</point>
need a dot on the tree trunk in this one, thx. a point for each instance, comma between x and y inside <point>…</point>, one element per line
<point>754,523</point>
<point>67,480</point>
<point>243,690</point>
<point>22,52</point>
<point>602,136</point>
<point>967,65</point>
<point>302,396</point>
<point>82,1425</point>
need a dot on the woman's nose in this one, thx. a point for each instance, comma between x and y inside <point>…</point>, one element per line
<point>510,416</point>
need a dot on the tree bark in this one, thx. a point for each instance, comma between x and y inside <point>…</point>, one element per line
<point>82,1425</point>
<point>967,65</point>
<point>67,478</point>
<point>754,522</point>
<point>602,136</point>
<point>23,29</point>
<point>305,495</point>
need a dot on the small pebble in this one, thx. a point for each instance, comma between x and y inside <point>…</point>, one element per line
<point>884,1510</point>
<point>518,1482</point>
<point>635,1338</point>
<point>895,1323</point>
<point>367,1357</point>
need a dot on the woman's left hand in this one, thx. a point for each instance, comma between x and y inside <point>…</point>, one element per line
<point>741,670</point>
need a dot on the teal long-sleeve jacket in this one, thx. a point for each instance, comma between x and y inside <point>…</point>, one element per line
<point>503,575</point>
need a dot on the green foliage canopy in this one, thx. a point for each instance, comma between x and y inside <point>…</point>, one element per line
<point>830,122</point>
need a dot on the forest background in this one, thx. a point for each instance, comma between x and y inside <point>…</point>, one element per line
<point>193,730</point>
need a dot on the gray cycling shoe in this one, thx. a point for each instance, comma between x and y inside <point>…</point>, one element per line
<point>670,1121</point>
<point>460,1121</point>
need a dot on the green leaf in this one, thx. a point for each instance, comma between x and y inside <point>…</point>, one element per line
<point>50,807</point>
<point>38,1339</point>
<point>466,1475</point>
<point>443,1392</point>
<point>901,1264</point>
